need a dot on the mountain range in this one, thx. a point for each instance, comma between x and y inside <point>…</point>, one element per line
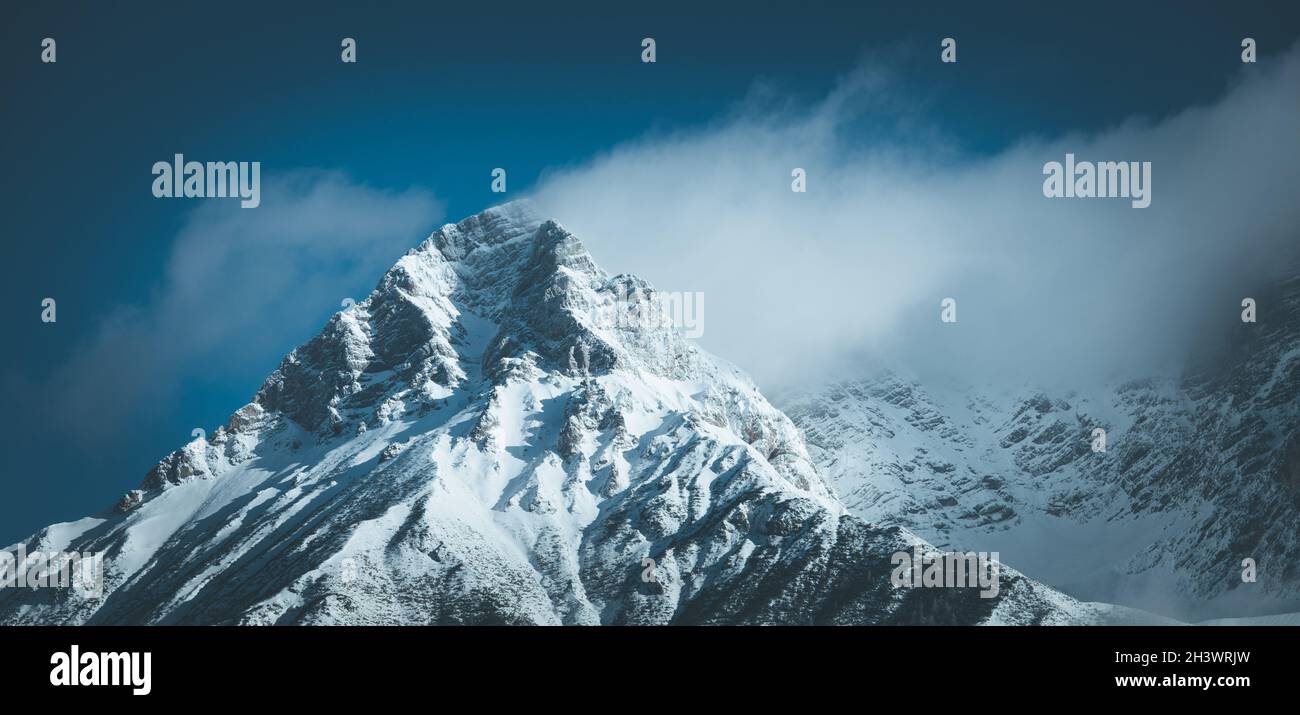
<point>1200,472</point>
<point>493,437</point>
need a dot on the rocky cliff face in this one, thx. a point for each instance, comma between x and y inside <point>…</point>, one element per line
<point>1199,472</point>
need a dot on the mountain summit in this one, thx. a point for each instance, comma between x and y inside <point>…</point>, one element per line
<point>478,442</point>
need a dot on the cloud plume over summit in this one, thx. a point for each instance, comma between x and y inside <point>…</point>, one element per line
<point>896,218</point>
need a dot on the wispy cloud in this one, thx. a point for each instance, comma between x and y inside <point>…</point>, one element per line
<point>894,220</point>
<point>236,282</point>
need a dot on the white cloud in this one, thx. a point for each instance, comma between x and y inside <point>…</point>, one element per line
<point>799,285</point>
<point>240,285</point>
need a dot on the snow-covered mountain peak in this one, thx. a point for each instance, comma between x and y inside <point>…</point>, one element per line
<point>494,435</point>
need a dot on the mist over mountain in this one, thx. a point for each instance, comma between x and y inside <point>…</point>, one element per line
<point>1063,294</point>
<point>1197,475</point>
<point>478,442</point>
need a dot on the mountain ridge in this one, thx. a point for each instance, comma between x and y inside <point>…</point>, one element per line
<point>473,443</point>
<point>1199,473</point>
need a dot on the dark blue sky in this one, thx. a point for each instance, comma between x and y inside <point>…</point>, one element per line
<point>437,99</point>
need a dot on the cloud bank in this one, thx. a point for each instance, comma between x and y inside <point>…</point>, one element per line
<point>850,274</point>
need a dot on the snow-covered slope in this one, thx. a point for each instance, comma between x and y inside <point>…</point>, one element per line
<point>477,442</point>
<point>1199,473</point>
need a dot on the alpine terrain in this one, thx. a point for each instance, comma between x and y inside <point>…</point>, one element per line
<point>1199,472</point>
<point>492,438</point>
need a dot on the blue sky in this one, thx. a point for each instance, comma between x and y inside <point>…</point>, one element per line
<point>407,137</point>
